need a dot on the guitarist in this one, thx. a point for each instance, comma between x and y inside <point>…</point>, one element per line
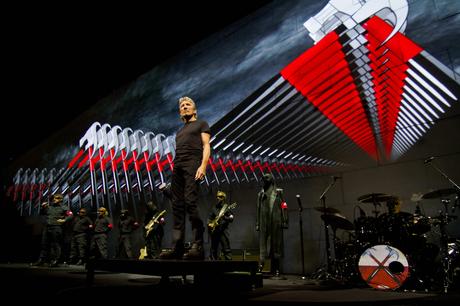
<point>154,238</point>
<point>219,234</point>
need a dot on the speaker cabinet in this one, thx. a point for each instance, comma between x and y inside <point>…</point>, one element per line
<point>252,255</point>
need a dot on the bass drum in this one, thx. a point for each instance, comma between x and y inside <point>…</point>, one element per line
<point>383,267</point>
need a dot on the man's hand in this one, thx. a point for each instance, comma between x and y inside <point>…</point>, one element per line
<point>200,173</point>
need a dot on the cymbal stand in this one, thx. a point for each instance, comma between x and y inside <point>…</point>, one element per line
<point>326,228</point>
<point>456,186</point>
<point>337,262</point>
<point>375,211</point>
<point>445,260</point>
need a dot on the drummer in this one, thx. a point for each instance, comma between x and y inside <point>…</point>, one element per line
<point>395,223</point>
<point>394,205</point>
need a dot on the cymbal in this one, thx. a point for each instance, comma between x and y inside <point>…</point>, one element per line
<point>439,193</point>
<point>329,210</point>
<point>375,197</point>
<point>338,221</point>
<point>416,197</point>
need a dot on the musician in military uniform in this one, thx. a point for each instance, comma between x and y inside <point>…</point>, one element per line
<point>126,225</point>
<point>79,242</point>
<point>271,219</point>
<point>102,226</point>
<point>56,215</point>
<point>218,222</point>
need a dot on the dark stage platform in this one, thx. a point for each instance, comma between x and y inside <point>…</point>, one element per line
<point>205,272</point>
<point>68,284</point>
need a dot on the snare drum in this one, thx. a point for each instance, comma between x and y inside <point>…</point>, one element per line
<point>383,267</point>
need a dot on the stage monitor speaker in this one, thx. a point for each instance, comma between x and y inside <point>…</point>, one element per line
<point>250,254</point>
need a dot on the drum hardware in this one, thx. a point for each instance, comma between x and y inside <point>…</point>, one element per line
<point>453,250</point>
<point>328,275</point>
<point>446,260</point>
<point>362,213</point>
<point>444,220</point>
<point>338,221</point>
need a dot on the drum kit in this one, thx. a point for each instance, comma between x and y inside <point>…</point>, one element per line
<point>390,250</point>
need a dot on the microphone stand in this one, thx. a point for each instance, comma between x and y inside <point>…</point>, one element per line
<point>326,228</point>
<point>301,236</point>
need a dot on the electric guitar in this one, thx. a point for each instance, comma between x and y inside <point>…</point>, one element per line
<point>212,225</point>
<point>143,253</point>
<point>149,226</point>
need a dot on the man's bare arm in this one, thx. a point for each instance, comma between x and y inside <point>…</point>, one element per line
<point>201,171</point>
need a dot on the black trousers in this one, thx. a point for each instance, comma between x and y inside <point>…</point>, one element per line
<point>51,242</point>
<point>98,246</point>
<point>124,246</point>
<point>78,246</point>
<point>153,241</point>
<point>185,192</point>
<point>220,236</point>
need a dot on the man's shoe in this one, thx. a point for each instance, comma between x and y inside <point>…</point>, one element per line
<point>195,253</point>
<point>171,254</point>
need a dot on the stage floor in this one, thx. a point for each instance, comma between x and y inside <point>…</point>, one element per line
<point>22,282</point>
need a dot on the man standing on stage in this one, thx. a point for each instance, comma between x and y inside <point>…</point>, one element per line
<point>192,155</point>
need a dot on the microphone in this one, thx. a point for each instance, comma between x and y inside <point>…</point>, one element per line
<point>298,202</point>
<point>429,160</point>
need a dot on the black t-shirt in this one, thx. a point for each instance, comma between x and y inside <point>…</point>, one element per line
<point>188,141</point>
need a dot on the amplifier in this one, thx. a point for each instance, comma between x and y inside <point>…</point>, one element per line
<point>252,255</point>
